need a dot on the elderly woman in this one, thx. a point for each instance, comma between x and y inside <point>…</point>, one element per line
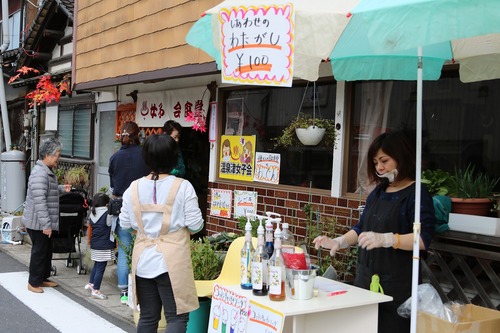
<point>41,213</point>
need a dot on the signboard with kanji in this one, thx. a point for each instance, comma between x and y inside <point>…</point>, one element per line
<point>184,106</point>
<point>221,202</point>
<point>237,157</point>
<point>267,168</point>
<point>258,44</point>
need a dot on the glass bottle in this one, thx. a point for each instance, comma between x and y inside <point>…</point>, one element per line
<point>287,242</point>
<point>246,256</point>
<point>277,273</point>
<point>260,262</point>
<point>269,246</point>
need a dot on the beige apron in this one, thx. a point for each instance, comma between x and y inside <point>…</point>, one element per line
<point>174,246</point>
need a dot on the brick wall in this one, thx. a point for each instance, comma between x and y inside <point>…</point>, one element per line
<point>290,205</point>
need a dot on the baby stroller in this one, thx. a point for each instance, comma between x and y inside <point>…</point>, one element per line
<point>72,212</point>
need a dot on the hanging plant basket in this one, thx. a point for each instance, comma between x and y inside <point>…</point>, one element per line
<point>310,136</point>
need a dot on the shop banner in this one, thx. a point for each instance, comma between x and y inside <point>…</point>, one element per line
<point>258,44</point>
<point>221,202</point>
<point>244,202</point>
<point>267,168</point>
<point>155,108</point>
<point>237,157</point>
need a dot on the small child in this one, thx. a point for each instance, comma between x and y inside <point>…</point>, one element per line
<point>103,249</point>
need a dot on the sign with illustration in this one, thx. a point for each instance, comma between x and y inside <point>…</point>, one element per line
<point>231,312</point>
<point>258,44</point>
<point>244,202</point>
<point>237,157</point>
<point>228,310</point>
<point>267,168</point>
<point>234,116</point>
<point>221,202</point>
<point>186,106</point>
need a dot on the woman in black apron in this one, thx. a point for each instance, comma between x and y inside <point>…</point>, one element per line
<point>385,229</point>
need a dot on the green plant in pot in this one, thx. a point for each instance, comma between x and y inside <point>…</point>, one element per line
<point>471,188</point>
<point>289,138</point>
<point>438,182</point>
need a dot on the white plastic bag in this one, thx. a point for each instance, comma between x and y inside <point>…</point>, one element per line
<point>428,301</point>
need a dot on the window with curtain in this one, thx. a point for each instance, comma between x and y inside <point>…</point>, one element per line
<point>458,123</point>
<point>75,130</point>
<point>265,112</point>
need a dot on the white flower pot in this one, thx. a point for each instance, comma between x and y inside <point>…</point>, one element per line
<point>310,136</point>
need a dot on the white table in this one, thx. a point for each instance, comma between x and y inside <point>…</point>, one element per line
<point>354,311</point>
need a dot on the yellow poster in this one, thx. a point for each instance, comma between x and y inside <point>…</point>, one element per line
<point>237,155</point>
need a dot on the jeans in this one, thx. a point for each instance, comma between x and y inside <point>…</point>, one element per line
<point>122,269</point>
<point>97,273</point>
<point>41,257</point>
<point>152,294</point>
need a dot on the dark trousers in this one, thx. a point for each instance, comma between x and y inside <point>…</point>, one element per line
<point>152,294</point>
<point>97,273</point>
<point>41,257</point>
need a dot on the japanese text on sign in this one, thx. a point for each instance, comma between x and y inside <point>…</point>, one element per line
<point>187,106</point>
<point>257,44</point>
<point>237,157</point>
<point>267,168</point>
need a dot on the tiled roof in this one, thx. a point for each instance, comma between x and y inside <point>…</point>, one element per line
<point>68,6</point>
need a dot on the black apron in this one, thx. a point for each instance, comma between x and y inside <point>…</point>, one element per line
<point>394,267</point>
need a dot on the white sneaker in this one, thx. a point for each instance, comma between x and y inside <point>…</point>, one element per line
<point>89,287</point>
<point>97,294</point>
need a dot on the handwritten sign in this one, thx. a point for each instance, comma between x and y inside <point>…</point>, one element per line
<point>258,44</point>
<point>237,157</point>
<point>221,202</point>
<point>228,309</point>
<point>264,319</point>
<point>155,108</point>
<point>267,168</point>
<point>244,202</point>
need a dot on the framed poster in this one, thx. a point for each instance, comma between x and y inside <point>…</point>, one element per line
<point>234,116</point>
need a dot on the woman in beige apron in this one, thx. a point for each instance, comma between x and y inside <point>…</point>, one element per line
<point>164,211</point>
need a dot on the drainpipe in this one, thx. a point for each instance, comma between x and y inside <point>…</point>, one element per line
<point>3,48</point>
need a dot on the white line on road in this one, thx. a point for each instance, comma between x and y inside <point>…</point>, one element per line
<point>59,310</point>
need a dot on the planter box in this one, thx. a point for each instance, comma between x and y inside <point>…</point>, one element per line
<point>482,225</point>
<point>475,319</point>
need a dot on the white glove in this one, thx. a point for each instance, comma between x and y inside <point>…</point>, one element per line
<point>333,244</point>
<point>371,240</point>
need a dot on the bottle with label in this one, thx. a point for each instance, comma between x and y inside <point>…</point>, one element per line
<point>269,245</point>
<point>277,274</point>
<point>287,241</point>
<point>260,262</point>
<point>246,256</point>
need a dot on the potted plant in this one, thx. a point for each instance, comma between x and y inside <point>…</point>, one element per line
<point>77,176</point>
<point>471,192</point>
<point>207,264</point>
<point>322,130</point>
<point>438,182</point>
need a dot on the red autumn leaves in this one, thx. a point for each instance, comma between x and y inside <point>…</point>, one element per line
<point>46,90</point>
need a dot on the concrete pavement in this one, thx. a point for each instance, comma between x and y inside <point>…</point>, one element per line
<point>69,279</point>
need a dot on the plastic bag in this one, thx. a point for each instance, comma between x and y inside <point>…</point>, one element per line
<point>428,301</point>
<point>295,260</point>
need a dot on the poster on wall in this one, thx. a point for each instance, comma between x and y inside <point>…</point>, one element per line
<point>237,157</point>
<point>244,202</point>
<point>221,202</point>
<point>258,44</point>
<point>187,106</point>
<point>267,168</point>
<point>234,117</point>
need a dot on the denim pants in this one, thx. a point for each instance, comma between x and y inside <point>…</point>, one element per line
<point>122,270</point>
<point>41,257</point>
<point>152,294</point>
<point>97,273</point>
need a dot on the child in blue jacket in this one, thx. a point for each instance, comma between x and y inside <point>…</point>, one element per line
<point>103,249</point>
